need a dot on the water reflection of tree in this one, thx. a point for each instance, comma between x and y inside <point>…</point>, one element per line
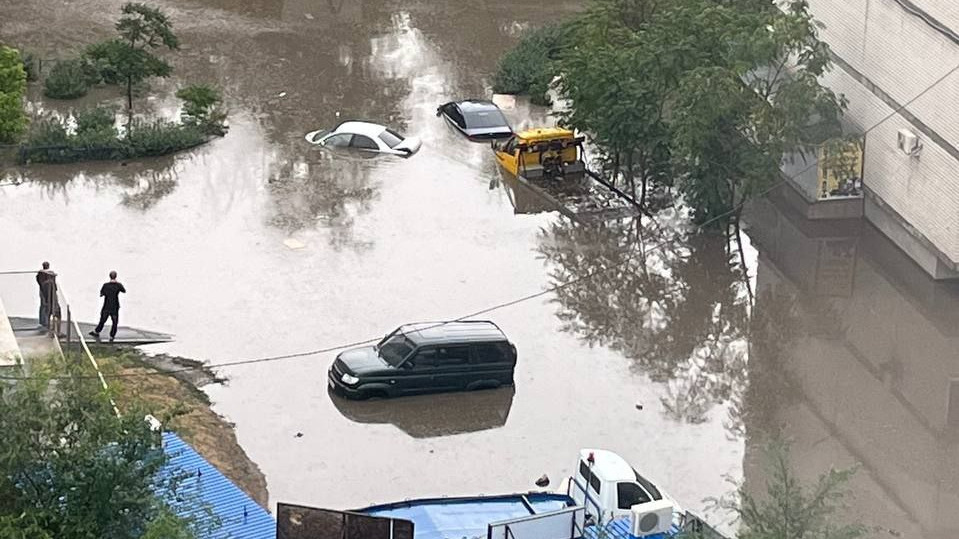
<point>149,187</point>
<point>774,327</point>
<point>323,191</point>
<point>674,304</point>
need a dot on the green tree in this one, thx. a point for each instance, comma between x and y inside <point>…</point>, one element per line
<point>130,58</point>
<point>706,96</point>
<point>201,108</point>
<point>790,510</point>
<point>13,84</point>
<point>70,468</point>
<point>528,68</point>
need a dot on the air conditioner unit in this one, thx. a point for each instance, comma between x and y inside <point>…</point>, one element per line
<point>651,518</point>
<point>909,142</point>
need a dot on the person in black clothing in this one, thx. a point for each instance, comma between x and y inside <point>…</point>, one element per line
<point>47,282</point>
<point>110,291</point>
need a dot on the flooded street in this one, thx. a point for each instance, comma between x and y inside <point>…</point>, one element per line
<point>652,350</point>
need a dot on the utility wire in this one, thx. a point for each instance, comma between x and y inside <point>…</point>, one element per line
<point>499,306</point>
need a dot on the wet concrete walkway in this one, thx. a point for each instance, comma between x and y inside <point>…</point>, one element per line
<point>125,334</point>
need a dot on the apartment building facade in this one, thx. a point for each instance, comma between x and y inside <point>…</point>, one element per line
<point>901,58</point>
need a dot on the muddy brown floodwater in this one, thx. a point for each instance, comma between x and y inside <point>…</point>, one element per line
<point>852,364</point>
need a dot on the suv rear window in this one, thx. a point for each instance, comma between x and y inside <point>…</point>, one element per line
<point>494,352</point>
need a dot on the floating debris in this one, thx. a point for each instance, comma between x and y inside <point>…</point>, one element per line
<point>294,244</point>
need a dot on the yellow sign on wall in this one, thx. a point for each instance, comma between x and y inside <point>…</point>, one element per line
<point>840,168</point>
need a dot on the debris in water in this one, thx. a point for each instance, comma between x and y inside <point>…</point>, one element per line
<point>309,16</point>
<point>504,101</point>
<point>542,481</point>
<point>299,435</point>
<point>294,244</point>
<point>281,94</point>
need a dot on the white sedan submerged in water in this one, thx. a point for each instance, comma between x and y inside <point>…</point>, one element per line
<point>365,137</point>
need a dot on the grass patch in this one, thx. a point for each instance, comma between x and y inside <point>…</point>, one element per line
<point>183,408</point>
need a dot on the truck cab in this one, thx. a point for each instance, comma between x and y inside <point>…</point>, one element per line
<point>545,152</point>
<point>608,487</point>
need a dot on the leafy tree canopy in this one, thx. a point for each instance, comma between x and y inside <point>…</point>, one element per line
<point>13,84</point>
<point>71,469</point>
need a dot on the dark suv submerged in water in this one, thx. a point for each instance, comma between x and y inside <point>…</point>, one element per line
<point>427,357</point>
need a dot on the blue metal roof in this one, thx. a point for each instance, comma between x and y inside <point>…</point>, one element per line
<point>206,496</point>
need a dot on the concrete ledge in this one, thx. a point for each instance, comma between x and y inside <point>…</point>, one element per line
<point>828,209</point>
<point>9,349</point>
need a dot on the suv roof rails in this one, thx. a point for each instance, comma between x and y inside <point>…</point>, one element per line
<point>445,322</point>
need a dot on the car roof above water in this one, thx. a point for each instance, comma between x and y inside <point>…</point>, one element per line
<point>441,332</point>
<point>360,128</point>
<point>476,105</point>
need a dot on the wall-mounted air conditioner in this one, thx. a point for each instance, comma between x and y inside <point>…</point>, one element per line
<point>909,142</point>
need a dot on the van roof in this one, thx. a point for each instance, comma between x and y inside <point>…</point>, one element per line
<point>464,331</point>
<point>608,466</point>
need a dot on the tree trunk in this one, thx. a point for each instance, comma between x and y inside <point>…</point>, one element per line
<point>129,105</point>
<point>742,256</point>
<point>615,168</point>
<point>642,194</point>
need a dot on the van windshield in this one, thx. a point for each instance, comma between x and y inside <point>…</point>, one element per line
<point>395,349</point>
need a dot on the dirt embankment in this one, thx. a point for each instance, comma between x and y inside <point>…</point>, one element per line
<point>168,387</point>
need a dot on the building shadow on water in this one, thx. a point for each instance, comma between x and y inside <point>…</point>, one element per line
<point>435,415</point>
<point>866,374</point>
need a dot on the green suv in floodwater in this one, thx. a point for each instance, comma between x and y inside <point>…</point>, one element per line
<point>427,357</point>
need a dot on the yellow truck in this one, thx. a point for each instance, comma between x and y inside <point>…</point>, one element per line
<point>546,169</point>
<point>549,152</point>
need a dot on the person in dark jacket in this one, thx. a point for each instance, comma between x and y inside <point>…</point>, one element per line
<point>47,283</point>
<point>110,292</point>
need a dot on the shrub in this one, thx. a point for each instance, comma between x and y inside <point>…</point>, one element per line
<point>96,129</point>
<point>31,64</point>
<point>13,84</point>
<point>102,61</point>
<point>201,108</point>
<point>49,132</point>
<point>69,79</point>
<point>528,68</point>
<point>161,138</point>
<point>96,138</point>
